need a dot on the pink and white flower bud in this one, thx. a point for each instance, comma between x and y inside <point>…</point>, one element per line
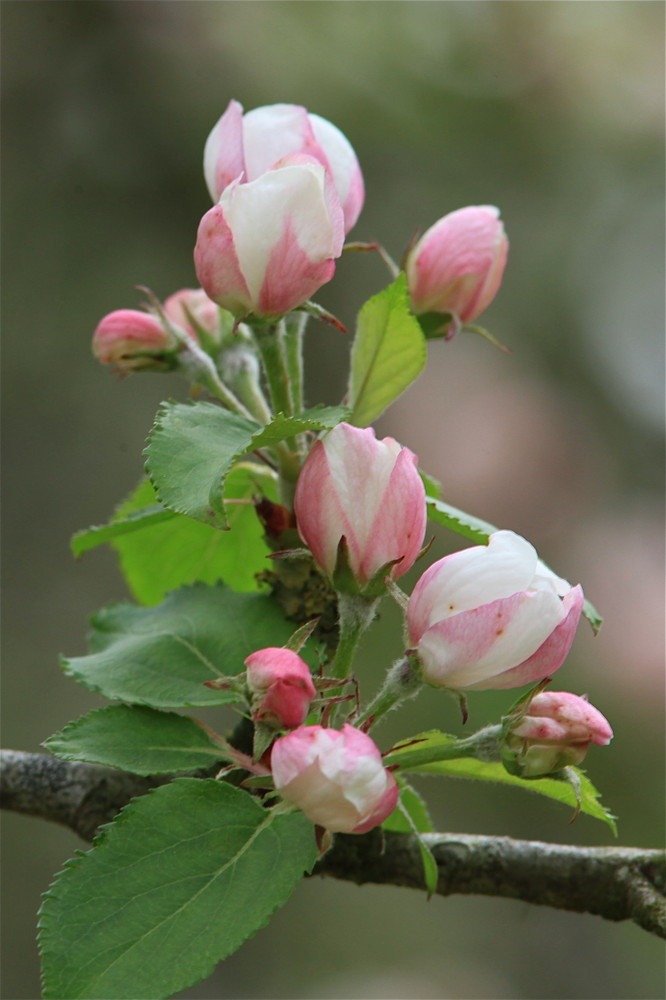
<point>247,145</point>
<point>268,245</point>
<point>366,491</point>
<point>335,776</point>
<point>492,617</point>
<point>132,340</point>
<point>457,265</point>
<point>281,685</point>
<point>556,732</point>
<point>193,304</point>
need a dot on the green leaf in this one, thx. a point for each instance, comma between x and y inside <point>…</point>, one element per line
<point>137,519</point>
<point>183,876</point>
<point>319,418</point>
<point>458,521</point>
<point>426,748</point>
<point>479,531</point>
<point>388,354</point>
<point>137,739</point>
<point>551,787</point>
<point>192,448</point>
<point>161,656</point>
<point>411,816</point>
<point>421,758</point>
<point>180,550</point>
<point>435,325</point>
<point>415,807</point>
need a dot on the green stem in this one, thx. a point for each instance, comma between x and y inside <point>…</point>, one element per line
<point>483,745</point>
<point>401,682</point>
<point>241,369</point>
<point>294,329</point>
<point>270,341</point>
<point>199,367</point>
<point>355,615</point>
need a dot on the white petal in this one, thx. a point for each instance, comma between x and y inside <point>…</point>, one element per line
<point>256,213</point>
<point>479,575</point>
<point>271,132</point>
<point>530,625</point>
<point>545,579</point>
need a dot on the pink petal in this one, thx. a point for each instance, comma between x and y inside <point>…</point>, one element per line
<point>550,656</point>
<point>224,160</point>
<point>477,648</point>
<point>217,264</point>
<point>291,276</point>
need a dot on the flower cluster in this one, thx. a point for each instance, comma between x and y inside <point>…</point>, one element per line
<point>287,188</point>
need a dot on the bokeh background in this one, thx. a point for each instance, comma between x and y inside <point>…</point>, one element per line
<point>552,111</point>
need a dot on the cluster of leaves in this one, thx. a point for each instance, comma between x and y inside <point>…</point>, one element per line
<point>186,873</point>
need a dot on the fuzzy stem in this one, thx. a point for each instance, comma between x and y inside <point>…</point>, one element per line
<point>401,682</point>
<point>270,341</point>
<point>199,367</point>
<point>355,615</point>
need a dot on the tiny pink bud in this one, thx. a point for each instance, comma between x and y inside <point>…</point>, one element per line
<point>366,491</point>
<point>492,617</point>
<point>335,776</point>
<point>555,732</point>
<point>281,685</point>
<point>193,304</point>
<point>132,340</point>
<point>457,265</point>
<point>247,145</point>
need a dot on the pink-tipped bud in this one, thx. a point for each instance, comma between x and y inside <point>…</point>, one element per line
<point>270,244</point>
<point>492,616</point>
<point>370,494</point>
<point>336,777</point>
<point>191,309</point>
<point>555,732</point>
<point>131,341</point>
<point>457,265</point>
<point>281,686</point>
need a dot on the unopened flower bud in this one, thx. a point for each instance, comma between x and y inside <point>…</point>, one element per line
<point>247,145</point>
<point>370,494</point>
<point>270,244</point>
<point>456,267</point>
<point>555,732</point>
<point>132,341</point>
<point>335,776</point>
<point>492,617</point>
<point>281,685</point>
<point>191,309</point>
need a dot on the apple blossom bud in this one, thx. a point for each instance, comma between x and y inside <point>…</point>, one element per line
<point>281,685</point>
<point>247,145</point>
<point>457,265</point>
<point>191,309</point>
<point>132,340</point>
<point>268,245</point>
<point>492,617</point>
<point>335,776</point>
<point>554,732</point>
<point>367,492</point>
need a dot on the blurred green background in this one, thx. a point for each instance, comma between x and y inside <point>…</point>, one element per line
<point>553,112</point>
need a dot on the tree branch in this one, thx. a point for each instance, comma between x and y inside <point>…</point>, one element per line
<point>622,883</point>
